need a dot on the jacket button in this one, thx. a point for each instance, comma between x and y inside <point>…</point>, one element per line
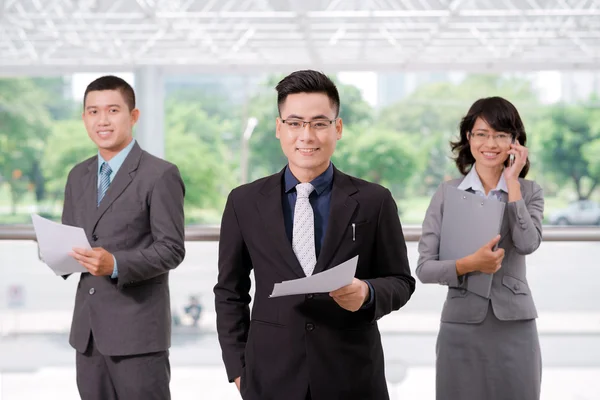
<point>309,296</point>
<point>310,327</point>
<point>94,237</point>
<point>516,286</point>
<point>92,291</point>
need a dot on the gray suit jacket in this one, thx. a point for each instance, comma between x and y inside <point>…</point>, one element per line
<point>521,234</point>
<point>140,221</point>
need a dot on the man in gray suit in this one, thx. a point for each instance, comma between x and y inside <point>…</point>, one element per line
<point>130,205</point>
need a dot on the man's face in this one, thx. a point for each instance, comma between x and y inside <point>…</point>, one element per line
<point>108,121</point>
<point>308,148</point>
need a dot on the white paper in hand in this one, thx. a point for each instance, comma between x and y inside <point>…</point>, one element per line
<point>323,282</point>
<point>56,241</point>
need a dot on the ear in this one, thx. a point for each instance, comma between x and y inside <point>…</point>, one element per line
<point>135,115</point>
<point>339,127</point>
<point>278,126</point>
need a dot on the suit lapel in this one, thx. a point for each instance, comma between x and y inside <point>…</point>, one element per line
<point>89,194</point>
<point>120,182</point>
<point>341,210</point>
<point>271,212</point>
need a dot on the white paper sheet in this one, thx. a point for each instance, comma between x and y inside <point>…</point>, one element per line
<point>56,241</point>
<point>323,282</point>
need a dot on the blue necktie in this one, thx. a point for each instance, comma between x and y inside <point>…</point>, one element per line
<point>105,172</point>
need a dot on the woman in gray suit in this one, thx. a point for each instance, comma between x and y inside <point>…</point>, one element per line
<point>488,349</point>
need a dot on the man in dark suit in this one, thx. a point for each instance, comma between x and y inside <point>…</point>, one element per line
<point>305,219</point>
<point>130,205</point>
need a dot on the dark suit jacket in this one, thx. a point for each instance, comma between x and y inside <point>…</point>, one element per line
<point>140,221</point>
<point>294,342</point>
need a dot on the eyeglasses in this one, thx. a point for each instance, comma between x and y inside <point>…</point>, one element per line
<point>500,138</point>
<point>317,124</point>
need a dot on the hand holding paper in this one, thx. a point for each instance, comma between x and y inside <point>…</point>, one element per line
<point>56,241</point>
<point>323,282</point>
<point>351,297</point>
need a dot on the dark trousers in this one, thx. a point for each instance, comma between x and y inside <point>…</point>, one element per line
<point>136,377</point>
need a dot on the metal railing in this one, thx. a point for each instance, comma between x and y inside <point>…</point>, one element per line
<point>412,233</point>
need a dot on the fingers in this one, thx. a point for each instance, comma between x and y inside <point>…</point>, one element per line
<point>92,269</point>
<point>91,260</point>
<point>347,304</point>
<point>520,151</point>
<point>346,290</point>
<point>493,242</point>
<point>83,252</point>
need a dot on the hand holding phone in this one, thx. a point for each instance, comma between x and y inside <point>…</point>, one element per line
<point>511,157</point>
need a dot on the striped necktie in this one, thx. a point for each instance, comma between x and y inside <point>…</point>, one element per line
<point>105,172</point>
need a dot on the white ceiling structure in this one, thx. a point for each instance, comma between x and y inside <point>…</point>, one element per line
<point>59,36</point>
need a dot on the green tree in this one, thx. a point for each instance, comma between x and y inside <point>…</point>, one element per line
<point>197,144</point>
<point>377,155</point>
<point>24,124</point>
<point>67,145</point>
<point>571,134</point>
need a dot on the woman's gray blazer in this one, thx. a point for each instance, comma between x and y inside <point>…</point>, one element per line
<point>521,234</point>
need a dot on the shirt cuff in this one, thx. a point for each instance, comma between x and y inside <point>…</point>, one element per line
<point>115,273</point>
<point>371,296</point>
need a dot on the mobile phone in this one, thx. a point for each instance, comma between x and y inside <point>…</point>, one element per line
<point>511,157</point>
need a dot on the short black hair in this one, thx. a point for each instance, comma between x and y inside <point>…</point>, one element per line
<point>502,116</point>
<point>307,81</point>
<point>110,82</point>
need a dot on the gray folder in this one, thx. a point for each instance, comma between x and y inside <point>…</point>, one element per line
<point>469,221</point>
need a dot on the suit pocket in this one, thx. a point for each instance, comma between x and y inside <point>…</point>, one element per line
<point>515,285</point>
<point>359,231</point>
<point>267,323</point>
<point>455,292</point>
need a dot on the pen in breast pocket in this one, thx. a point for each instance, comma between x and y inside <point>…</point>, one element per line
<point>354,232</point>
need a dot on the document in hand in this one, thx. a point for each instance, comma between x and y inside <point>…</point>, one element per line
<point>323,282</point>
<point>469,221</point>
<point>56,241</point>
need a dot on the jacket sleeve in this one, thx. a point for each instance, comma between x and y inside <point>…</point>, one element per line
<point>525,219</point>
<point>168,230</point>
<point>393,284</point>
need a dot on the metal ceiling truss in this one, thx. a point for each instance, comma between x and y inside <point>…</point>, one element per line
<point>58,36</point>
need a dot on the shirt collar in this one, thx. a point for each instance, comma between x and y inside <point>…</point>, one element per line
<point>472,181</point>
<point>118,160</point>
<point>320,183</point>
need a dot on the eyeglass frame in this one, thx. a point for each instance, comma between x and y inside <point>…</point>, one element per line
<point>310,123</point>
<point>510,137</point>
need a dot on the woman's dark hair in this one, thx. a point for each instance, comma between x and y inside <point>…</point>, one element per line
<point>499,114</point>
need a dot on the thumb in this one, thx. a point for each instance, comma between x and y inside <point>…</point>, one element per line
<point>493,242</point>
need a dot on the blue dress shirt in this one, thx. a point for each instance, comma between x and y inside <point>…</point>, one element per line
<point>115,163</point>
<point>320,201</point>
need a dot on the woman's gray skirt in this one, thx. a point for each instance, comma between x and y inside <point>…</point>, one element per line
<point>493,360</point>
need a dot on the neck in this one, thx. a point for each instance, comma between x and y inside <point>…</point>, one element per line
<point>489,177</point>
<point>108,154</point>
<point>308,175</point>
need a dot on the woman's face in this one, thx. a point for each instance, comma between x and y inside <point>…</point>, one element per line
<point>488,146</point>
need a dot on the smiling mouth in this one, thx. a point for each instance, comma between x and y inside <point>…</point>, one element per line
<point>104,133</point>
<point>307,151</point>
<point>489,155</point>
